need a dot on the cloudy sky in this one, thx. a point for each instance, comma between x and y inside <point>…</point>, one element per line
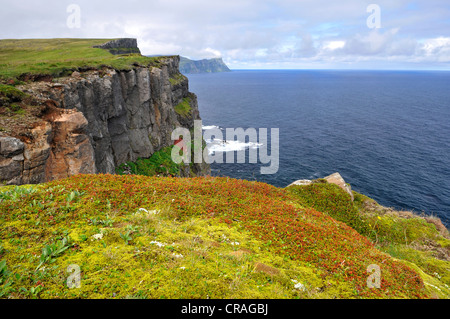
<point>253,34</point>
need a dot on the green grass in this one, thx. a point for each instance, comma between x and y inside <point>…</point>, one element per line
<point>10,97</point>
<point>160,163</point>
<point>9,93</point>
<point>58,57</point>
<point>184,107</point>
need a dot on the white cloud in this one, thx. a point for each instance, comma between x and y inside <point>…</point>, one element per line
<point>284,33</point>
<point>436,45</point>
<point>334,45</point>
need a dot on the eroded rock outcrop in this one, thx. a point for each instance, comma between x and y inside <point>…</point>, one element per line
<point>11,158</point>
<point>120,46</point>
<point>97,120</point>
<point>71,152</point>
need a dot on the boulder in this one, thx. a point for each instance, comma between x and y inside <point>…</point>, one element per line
<point>10,146</point>
<point>337,179</point>
<point>301,182</point>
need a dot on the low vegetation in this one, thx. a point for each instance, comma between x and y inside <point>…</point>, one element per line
<point>18,111</point>
<point>418,241</point>
<point>162,237</point>
<point>21,59</point>
<point>177,79</point>
<point>160,163</point>
<point>184,107</point>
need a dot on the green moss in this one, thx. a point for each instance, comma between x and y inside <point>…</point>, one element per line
<point>440,269</point>
<point>177,79</point>
<point>9,96</point>
<point>184,107</point>
<point>11,93</point>
<point>435,284</point>
<point>360,200</point>
<point>443,242</point>
<point>390,228</point>
<point>160,163</point>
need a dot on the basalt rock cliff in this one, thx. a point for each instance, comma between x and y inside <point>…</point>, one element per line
<point>95,120</point>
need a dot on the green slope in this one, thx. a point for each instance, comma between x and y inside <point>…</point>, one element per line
<point>148,237</point>
<point>59,57</point>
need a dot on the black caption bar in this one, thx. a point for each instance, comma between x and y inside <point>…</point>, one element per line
<point>229,308</point>
<point>215,308</point>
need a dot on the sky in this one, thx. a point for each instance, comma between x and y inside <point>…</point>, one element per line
<point>253,34</point>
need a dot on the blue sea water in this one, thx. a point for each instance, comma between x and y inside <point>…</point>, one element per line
<point>386,132</point>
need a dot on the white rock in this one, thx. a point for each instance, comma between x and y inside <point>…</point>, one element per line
<point>301,182</point>
<point>98,236</point>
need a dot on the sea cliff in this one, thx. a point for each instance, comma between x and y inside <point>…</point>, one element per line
<point>94,120</point>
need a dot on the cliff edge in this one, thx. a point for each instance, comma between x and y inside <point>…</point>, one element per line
<point>92,120</point>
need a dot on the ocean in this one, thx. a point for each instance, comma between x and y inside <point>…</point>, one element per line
<point>386,132</point>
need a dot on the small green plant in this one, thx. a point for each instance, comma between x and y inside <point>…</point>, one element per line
<point>108,222</point>
<point>5,284</point>
<point>49,252</point>
<point>130,229</point>
<point>17,193</point>
<point>32,291</point>
<point>126,236</point>
<point>70,197</point>
<point>3,271</point>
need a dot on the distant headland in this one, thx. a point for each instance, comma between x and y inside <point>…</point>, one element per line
<point>188,66</point>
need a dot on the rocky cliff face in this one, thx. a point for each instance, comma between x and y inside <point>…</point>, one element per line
<point>96,120</point>
<point>120,46</point>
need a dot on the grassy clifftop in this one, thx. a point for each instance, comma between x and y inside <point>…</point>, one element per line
<point>58,57</point>
<point>147,237</point>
